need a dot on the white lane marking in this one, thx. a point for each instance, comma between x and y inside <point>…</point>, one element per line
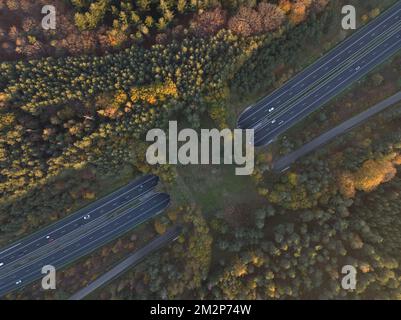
<point>305,76</point>
<point>77,219</point>
<point>322,96</point>
<point>91,232</point>
<point>10,248</point>
<point>122,226</point>
<point>265,122</point>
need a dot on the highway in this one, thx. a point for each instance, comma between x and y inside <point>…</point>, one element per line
<point>326,78</point>
<point>156,244</point>
<point>95,210</point>
<point>285,162</point>
<point>79,234</point>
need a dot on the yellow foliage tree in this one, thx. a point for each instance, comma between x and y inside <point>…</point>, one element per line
<point>154,93</point>
<point>373,173</point>
<point>240,269</point>
<point>4,97</point>
<point>293,179</point>
<point>160,227</point>
<point>285,5</point>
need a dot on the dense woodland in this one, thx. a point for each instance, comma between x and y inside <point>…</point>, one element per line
<point>50,124</point>
<point>71,119</point>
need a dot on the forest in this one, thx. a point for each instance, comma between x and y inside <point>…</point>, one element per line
<point>75,106</point>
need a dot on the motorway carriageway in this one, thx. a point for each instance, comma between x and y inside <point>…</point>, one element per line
<point>285,162</point>
<point>80,233</point>
<point>312,75</point>
<point>330,75</point>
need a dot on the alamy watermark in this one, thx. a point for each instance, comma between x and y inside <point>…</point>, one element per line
<point>206,150</point>
<point>348,282</point>
<point>49,280</point>
<point>349,20</point>
<point>49,20</point>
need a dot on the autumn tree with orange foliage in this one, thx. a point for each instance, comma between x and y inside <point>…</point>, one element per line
<point>373,173</point>
<point>299,11</point>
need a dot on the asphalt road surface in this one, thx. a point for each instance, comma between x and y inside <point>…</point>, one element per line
<point>285,162</point>
<point>95,210</point>
<point>80,233</point>
<point>329,76</point>
<point>156,244</point>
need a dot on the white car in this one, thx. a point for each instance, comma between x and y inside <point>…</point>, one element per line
<point>1,264</point>
<point>271,109</point>
<point>18,282</point>
<point>87,217</point>
<point>357,68</point>
<point>274,121</point>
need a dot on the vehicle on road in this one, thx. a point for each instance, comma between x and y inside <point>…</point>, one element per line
<point>325,79</point>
